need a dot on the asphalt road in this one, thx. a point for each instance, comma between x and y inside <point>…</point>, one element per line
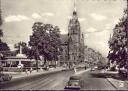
<point>93,80</point>
<point>54,81</point>
<point>57,81</point>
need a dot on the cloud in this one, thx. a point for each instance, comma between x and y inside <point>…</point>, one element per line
<point>69,17</point>
<point>86,35</point>
<point>11,46</point>
<point>47,14</point>
<point>111,24</point>
<point>104,48</point>
<point>100,39</point>
<point>81,19</point>
<point>63,31</point>
<point>91,30</point>
<point>98,17</point>
<point>15,18</point>
<point>103,34</point>
<point>43,16</point>
<point>36,15</point>
<point>45,20</point>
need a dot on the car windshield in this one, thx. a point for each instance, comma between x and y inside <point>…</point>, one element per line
<point>74,78</point>
<point>73,83</point>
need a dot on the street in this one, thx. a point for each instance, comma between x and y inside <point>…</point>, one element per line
<point>93,81</point>
<point>57,81</point>
<point>48,81</point>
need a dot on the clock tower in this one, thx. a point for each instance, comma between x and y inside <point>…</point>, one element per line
<point>74,35</point>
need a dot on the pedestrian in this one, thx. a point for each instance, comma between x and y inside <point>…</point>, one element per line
<point>85,67</point>
<point>26,71</point>
<point>75,69</point>
<point>30,70</point>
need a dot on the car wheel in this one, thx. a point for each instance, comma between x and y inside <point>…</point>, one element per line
<point>10,78</point>
<point>3,78</point>
<point>82,83</point>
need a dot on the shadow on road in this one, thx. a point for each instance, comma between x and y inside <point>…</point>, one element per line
<point>117,77</point>
<point>98,75</point>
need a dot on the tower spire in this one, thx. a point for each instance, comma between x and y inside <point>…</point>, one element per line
<point>75,5</point>
<point>74,12</point>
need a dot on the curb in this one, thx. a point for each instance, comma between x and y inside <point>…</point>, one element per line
<point>112,84</point>
<point>117,83</point>
<point>37,73</point>
<point>116,86</point>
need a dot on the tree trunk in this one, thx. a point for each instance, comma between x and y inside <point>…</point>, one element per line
<point>45,60</point>
<point>37,65</point>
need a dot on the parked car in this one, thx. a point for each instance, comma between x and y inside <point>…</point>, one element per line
<point>123,73</point>
<point>64,69</point>
<point>52,66</point>
<point>96,67</point>
<point>5,77</point>
<point>74,82</point>
<point>46,68</point>
<point>92,69</point>
<point>100,68</point>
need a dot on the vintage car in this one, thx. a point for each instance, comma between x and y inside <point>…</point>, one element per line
<point>123,72</point>
<point>64,69</point>
<point>5,77</point>
<point>74,82</point>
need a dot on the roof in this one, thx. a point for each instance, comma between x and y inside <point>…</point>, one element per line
<point>15,57</point>
<point>18,56</point>
<point>21,56</point>
<point>29,60</point>
<point>75,77</point>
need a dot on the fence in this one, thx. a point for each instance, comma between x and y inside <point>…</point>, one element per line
<point>16,69</point>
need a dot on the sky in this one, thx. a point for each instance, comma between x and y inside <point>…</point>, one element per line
<point>97,19</point>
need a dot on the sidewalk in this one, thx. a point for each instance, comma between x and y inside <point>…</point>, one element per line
<point>118,84</point>
<point>16,75</point>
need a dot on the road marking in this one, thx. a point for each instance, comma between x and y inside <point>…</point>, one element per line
<point>45,84</point>
<point>42,83</point>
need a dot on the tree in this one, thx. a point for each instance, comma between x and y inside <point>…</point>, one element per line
<point>94,58</point>
<point>1,33</point>
<point>45,41</point>
<point>118,44</point>
<point>4,48</point>
<point>3,45</point>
